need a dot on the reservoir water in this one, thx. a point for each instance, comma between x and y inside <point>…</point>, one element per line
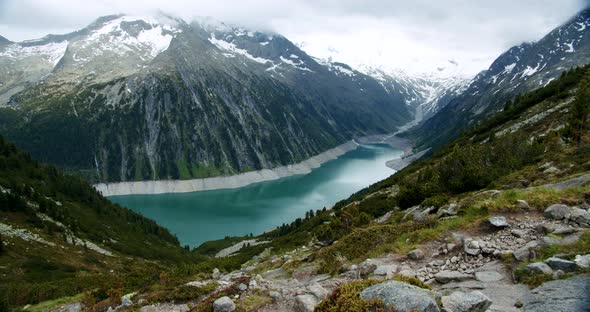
<point>201,216</point>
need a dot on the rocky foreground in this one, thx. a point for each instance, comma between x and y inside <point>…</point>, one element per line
<point>474,269</point>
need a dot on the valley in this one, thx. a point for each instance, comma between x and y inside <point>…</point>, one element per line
<point>155,163</point>
<point>257,208</point>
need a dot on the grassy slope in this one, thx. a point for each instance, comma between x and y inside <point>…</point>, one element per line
<point>476,161</point>
<point>32,271</point>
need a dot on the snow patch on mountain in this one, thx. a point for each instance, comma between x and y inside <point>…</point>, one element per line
<point>146,36</point>
<point>52,52</point>
<point>232,48</point>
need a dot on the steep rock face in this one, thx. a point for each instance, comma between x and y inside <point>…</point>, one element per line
<point>522,68</point>
<point>131,98</point>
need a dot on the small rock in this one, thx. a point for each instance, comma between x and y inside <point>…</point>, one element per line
<point>402,297</point>
<point>216,274</point>
<point>523,204</point>
<point>498,222</point>
<point>416,254</point>
<point>449,211</point>
<point>557,274</point>
<point>551,170</point>
<point>583,261</point>
<point>565,231</point>
<point>385,270</point>
<point>444,277</point>
<point>224,304</point>
<point>518,233</point>
<point>561,264</point>
<point>472,247</point>
<point>557,212</point>
<point>408,273</point>
<point>488,276</point>
<point>524,252</point>
<point>253,284</point>
<point>275,295</point>
<point>318,291</point>
<point>243,287</point>
<point>580,216</point>
<point>548,241</point>
<point>306,303</point>
<point>474,301</point>
<point>539,267</point>
<point>545,228</point>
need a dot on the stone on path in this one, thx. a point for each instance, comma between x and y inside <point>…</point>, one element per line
<point>498,222</point>
<point>474,301</point>
<point>488,276</point>
<point>444,277</point>
<point>402,297</point>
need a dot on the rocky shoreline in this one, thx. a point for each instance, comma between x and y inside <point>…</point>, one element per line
<point>226,182</point>
<point>247,178</point>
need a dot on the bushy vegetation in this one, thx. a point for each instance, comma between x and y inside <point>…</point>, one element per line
<point>346,298</point>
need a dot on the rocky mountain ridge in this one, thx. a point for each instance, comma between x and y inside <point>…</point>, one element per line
<point>520,69</point>
<point>153,99</point>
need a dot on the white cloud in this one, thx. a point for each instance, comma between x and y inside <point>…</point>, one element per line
<point>417,35</point>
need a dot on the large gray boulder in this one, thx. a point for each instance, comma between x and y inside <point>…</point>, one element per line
<point>567,295</point>
<point>444,277</point>
<point>561,264</point>
<point>557,212</point>
<point>402,297</point>
<point>474,301</point>
<point>224,304</point>
<point>539,267</point>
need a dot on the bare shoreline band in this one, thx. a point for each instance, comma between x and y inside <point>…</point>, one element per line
<point>246,178</point>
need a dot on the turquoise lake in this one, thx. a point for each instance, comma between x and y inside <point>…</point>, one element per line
<point>201,216</point>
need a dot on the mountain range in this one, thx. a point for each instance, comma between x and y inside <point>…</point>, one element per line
<point>522,68</point>
<point>133,98</point>
<point>143,98</point>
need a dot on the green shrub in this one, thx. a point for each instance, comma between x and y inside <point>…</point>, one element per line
<point>346,298</point>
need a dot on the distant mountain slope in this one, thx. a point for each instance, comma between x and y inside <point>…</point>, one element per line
<point>428,93</point>
<point>522,68</point>
<point>140,98</point>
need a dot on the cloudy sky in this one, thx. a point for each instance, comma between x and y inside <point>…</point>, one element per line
<point>414,35</point>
